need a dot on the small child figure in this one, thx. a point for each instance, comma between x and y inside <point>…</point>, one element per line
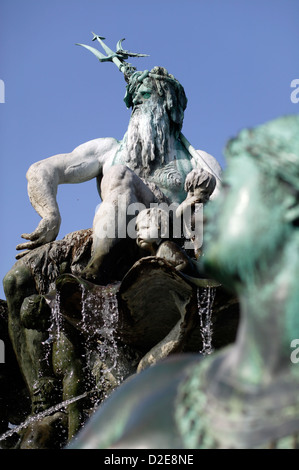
<point>152,227</point>
<point>199,185</point>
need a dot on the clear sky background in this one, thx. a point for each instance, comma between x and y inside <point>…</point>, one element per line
<point>235,58</point>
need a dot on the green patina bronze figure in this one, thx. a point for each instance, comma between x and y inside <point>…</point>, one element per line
<point>246,395</point>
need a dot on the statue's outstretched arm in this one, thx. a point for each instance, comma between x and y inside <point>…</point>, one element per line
<point>82,164</point>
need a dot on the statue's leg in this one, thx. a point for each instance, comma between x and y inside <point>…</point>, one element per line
<point>28,343</point>
<point>122,192</point>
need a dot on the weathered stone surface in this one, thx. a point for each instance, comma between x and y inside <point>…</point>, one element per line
<point>69,255</point>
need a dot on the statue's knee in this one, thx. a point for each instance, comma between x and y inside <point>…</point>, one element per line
<point>7,283</point>
<point>10,283</point>
<point>18,282</point>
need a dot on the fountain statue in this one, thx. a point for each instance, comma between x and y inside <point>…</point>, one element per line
<point>102,304</point>
<point>244,396</point>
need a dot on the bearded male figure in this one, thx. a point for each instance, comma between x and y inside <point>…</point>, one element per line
<point>149,165</point>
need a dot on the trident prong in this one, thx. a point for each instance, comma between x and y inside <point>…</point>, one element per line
<point>109,52</point>
<point>117,57</point>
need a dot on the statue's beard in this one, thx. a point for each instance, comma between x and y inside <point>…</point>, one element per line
<point>146,142</point>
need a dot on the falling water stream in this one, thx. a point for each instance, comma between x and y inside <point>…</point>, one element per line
<point>205,300</point>
<point>102,329</point>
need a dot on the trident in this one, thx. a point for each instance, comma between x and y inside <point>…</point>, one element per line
<point>118,58</point>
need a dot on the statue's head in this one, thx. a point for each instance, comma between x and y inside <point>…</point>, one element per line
<point>158,102</point>
<point>158,87</point>
<point>152,225</point>
<point>147,85</point>
<point>200,183</point>
<point>257,210</point>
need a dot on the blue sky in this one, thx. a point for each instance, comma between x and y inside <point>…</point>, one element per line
<point>235,58</point>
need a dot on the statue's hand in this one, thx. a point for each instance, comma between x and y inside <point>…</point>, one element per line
<point>46,231</point>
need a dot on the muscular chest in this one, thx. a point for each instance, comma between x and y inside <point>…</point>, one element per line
<point>169,176</point>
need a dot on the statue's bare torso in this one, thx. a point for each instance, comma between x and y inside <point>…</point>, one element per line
<point>168,176</point>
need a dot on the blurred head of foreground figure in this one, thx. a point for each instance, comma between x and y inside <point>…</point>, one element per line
<point>246,395</point>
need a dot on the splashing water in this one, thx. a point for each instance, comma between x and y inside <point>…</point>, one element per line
<point>205,300</point>
<point>107,348</point>
<point>55,328</point>
<point>98,323</point>
<point>102,330</point>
